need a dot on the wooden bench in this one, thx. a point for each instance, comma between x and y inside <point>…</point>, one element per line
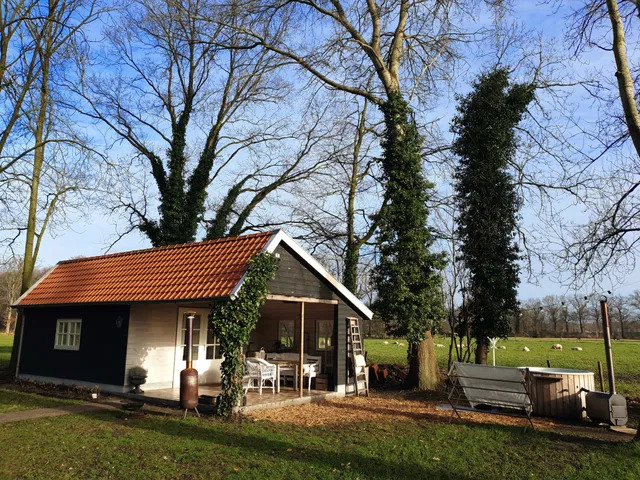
<point>488,389</point>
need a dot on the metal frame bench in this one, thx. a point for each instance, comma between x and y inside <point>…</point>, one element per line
<point>488,389</point>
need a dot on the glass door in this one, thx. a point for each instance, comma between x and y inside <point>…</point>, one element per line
<point>207,356</point>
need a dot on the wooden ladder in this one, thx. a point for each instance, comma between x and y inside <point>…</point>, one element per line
<point>355,347</point>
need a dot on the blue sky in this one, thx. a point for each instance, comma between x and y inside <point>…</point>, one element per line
<point>91,234</point>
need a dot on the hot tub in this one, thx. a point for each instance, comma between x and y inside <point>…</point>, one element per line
<point>557,392</point>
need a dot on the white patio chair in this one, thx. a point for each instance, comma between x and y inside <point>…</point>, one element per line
<point>261,371</point>
<point>312,368</point>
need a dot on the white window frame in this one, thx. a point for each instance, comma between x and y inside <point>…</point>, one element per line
<point>330,337</point>
<point>63,330</point>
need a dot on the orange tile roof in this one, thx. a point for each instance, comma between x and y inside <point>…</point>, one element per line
<point>191,271</point>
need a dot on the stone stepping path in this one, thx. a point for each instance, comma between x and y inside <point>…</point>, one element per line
<point>36,413</point>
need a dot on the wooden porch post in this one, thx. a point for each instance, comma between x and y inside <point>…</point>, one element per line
<point>300,366</point>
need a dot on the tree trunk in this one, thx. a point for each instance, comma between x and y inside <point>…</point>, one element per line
<point>32,244</point>
<point>423,365</point>
<point>623,75</point>
<point>481,351</point>
<point>7,320</point>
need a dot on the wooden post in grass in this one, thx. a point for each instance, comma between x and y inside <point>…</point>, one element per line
<point>601,376</point>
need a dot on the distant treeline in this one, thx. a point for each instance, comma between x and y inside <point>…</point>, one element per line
<point>560,316</point>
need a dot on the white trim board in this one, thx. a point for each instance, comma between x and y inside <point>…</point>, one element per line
<point>280,236</point>
<point>19,299</point>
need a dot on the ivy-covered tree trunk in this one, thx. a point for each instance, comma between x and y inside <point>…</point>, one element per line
<point>408,273</point>
<point>488,202</point>
<point>424,372</point>
<point>233,320</point>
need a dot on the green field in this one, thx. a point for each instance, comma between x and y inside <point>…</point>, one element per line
<point>6,341</point>
<point>109,445</point>
<point>626,356</point>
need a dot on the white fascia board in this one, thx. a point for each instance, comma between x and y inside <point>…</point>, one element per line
<point>17,302</point>
<point>281,236</point>
<point>236,289</point>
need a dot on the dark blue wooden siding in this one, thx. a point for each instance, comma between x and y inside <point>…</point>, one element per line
<point>103,345</point>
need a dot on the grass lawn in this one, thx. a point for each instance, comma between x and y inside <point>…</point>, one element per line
<point>626,356</point>
<point>110,445</point>
<point>6,342</point>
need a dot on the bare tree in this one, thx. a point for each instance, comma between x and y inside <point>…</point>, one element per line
<point>56,155</point>
<point>610,239</point>
<point>580,310</point>
<point>553,306</point>
<point>620,307</point>
<point>10,281</point>
<point>337,209</point>
<point>201,117</point>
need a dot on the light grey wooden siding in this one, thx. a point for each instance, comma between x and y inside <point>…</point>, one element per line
<point>152,342</point>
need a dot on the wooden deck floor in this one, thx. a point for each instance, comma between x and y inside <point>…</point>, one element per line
<point>287,397</point>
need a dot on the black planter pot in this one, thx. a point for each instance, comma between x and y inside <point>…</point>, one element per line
<point>136,382</point>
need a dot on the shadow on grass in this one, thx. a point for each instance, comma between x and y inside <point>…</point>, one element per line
<point>295,445</point>
<point>294,448</point>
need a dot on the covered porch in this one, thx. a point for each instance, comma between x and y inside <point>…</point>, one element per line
<point>292,333</point>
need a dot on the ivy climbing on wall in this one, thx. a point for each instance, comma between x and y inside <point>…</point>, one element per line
<point>233,321</point>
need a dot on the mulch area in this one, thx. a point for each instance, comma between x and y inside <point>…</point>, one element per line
<point>392,407</point>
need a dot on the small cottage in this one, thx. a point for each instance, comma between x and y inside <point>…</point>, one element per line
<point>89,320</point>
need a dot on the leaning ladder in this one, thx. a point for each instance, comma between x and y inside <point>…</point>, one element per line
<point>355,348</point>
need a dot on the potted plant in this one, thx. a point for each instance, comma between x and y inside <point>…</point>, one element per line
<point>137,377</point>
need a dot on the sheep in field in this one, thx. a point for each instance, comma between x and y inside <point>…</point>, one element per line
<point>525,349</point>
<point>401,344</point>
<point>502,347</point>
<point>385,343</point>
<point>439,345</point>
<point>578,349</point>
<point>556,346</point>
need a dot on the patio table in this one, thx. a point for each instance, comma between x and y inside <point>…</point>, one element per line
<point>285,363</point>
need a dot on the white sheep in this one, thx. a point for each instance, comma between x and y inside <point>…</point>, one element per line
<point>578,349</point>
<point>385,343</point>
<point>439,345</point>
<point>526,349</point>
<point>501,347</point>
<point>395,343</point>
<point>556,346</point>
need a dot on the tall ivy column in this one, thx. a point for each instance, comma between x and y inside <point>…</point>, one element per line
<point>408,273</point>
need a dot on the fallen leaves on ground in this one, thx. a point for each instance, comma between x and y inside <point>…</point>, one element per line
<point>393,407</point>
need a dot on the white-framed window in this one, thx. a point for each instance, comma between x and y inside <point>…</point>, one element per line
<point>324,335</point>
<point>68,334</point>
<point>286,334</point>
